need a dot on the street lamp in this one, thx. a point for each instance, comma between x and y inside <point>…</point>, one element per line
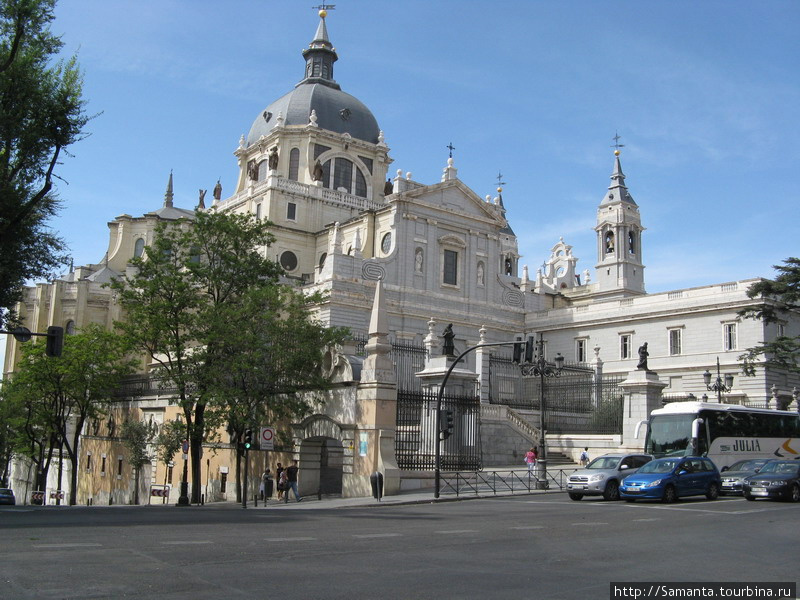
<point>539,366</point>
<point>718,386</point>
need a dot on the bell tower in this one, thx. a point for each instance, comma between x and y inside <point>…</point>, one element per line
<point>619,270</point>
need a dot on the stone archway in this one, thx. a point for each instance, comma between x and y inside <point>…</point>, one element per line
<point>323,459</point>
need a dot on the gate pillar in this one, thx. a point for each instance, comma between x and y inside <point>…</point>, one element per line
<point>642,390</point>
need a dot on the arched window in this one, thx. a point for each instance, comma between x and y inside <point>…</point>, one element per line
<point>70,328</point>
<point>631,243</point>
<point>609,241</point>
<point>322,258</point>
<point>138,248</point>
<point>345,173</point>
<point>263,167</point>
<point>294,163</point>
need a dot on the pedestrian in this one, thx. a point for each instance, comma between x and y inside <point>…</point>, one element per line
<point>278,473</point>
<point>530,459</point>
<point>266,485</point>
<point>585,456</point>
<point>283,485</point>
<point>291,480</point>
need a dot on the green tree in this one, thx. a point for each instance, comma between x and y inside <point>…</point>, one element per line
<point>55,397</point>
<point>260,373</point>
<point>778,299</point>
<point>41,115</point>
<point>136,435</point>
<point>186,279</point>
<point>168,442</point>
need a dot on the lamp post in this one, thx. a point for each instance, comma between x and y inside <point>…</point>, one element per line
<point>539,366</point>
<point>718,385</point>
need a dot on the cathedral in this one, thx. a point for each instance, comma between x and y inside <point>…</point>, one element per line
<point>315,164</point>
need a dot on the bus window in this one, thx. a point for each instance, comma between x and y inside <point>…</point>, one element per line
<point>669,435</point>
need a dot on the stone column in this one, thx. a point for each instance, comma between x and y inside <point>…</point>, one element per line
<point>376,407</point>
<point>642,395</point>
<point>482,357</point>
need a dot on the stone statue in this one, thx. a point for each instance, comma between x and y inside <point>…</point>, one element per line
<point>317,174</point>
<point>480,274</point>
<point>273,158</point>
<point>448,349</point>
<point>643,354</point>
<point>388,187</point>
<point>217,190</point>
<point>252,170</point>
<point>202,201</point>
<point>418,259</point>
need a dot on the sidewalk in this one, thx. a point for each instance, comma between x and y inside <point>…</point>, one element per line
<point>424,496</point>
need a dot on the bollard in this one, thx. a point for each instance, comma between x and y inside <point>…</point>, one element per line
<point>376,481</point>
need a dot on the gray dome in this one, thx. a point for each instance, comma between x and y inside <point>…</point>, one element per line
<point>336,111</point>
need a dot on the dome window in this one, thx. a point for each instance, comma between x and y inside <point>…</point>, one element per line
<point>294,163</point>
<point>344,174</point>
<point>138,248</point>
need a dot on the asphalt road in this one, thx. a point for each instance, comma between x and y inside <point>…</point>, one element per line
<point>543,547</point>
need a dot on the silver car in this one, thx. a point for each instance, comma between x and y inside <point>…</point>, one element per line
<point>602,476</point>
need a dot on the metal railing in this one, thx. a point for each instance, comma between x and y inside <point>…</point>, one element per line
<point>479,483</point>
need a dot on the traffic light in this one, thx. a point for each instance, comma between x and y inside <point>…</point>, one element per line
<point>248,439</point>
<point>446,423</point>
<point>55,340</point>
<point>517,351</point>
<point>529,349</point>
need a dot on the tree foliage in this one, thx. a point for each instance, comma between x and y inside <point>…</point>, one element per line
<point>135,436</point>
<point>208,309</point>
<point>779,298</point>
<point>41,115</point>
<point>52,398</point>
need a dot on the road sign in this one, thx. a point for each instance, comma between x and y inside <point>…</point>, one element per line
<point>267,438</point>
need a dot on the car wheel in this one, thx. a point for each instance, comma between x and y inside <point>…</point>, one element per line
<point>795,493</point>
<point>670,495</point>
<point>612,490</point>
<point>574,496</point>
<point>713,491</point>
<point>749,496</point>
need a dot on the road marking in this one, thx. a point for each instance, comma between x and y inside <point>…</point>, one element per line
<point>292,539</point>
<point>376,535</point>
<point>458,531</point>
<point>590,523</point>
<point>68,545</point>
<point>527,527</point>
<point>186,542</point>
<point>645,520</point>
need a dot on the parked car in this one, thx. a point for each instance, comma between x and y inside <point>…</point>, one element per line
<point>668,479</point>
<point>7,496</point>
<point>733,476</point>
<point>777,479</point>
<point>603,475</point>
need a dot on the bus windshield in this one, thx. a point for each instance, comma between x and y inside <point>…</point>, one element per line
<point>669,435</point>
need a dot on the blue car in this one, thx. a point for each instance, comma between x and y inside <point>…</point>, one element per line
<point>668,479</point>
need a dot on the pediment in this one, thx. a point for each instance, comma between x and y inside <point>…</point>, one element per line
<point>455,197</point>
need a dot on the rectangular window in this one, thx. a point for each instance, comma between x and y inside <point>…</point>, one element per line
<point>580,350</point>
<point>781,330</point>
<point>450,273</point>
<point>343,175</point>
<point>729,336</point>
<point>674,342</point>
<point>625,346</point>
<point>169,474</point>
<point>119,466</point>
<point>89,461</point>
<point>223,484</point>
<point>291,211</point>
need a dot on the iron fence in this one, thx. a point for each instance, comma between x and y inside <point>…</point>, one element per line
<point>575,402</point>
<point>415,441</point>
<point>407,356</point>
<point>481,483</point>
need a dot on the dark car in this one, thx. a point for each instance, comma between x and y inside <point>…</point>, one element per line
<point>668,479</point>
<point>777,479</point>
<point>7,496</point>
<point>733,476</point>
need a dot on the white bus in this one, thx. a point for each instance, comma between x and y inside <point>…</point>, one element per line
<point>725,433</point>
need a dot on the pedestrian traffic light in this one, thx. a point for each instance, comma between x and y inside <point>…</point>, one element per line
<point>446,424</point>
<point>55,340</point>
<point>517,351</point>
<point>529,349</point>
<point>248,439</point>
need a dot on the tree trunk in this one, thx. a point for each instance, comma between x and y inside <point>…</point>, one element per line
<point>196,443</point>
<point>238,471</point>
<point>136,488</point>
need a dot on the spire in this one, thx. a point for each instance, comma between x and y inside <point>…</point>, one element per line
<point>617,191</point>
<point>168,195</point>
<point>320,56</point>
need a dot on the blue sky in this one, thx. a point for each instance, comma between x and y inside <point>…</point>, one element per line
<point>705,96</point>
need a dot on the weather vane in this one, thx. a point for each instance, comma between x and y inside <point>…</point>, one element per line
<point>500,182</point>
<point>616,139</point>
<point>451,148</point>
<point>324,6</point>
